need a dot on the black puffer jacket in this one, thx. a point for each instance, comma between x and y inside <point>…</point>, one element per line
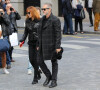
<point>31,31</point>
<point>5,23</point>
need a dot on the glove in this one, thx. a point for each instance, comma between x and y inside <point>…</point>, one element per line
<point>21,44</point>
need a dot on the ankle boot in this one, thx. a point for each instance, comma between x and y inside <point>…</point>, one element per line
<point>47,81</point>
<point>53,84</point>
<point>39,74</point>
<point>34,81</point>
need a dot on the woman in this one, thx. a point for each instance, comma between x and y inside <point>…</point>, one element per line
<point>31,27</point>
<point>77,5</point>
<point>29,64</point>
<point>3,21</point>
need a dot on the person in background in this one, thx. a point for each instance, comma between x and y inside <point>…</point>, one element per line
<point>88,6</point>
<point>96,11</point>
<point>5,3</point>
<point>67,13</point>
<point>31,27</point>
<point>5,27</point>
<point>14,15</point>
<point>77,9</point>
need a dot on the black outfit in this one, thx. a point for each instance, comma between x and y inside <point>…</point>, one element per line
<point>49,41</point>
<point>13,17</point>
<point>78,20</point>
<point>31,31</point>
<point>89,10</point>
<point>5,23</point>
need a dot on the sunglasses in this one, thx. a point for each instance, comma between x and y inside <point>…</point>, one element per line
<point>44,9</point>
<point>28,12</point>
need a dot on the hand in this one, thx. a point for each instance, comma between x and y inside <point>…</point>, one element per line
<point>21,44</point>
<point>37,48</point>
<point>58,50</point>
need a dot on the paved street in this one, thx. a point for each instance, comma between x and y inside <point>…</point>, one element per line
<point>79,68</point>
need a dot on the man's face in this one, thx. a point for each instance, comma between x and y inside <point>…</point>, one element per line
<point>7,1</point>
<point>46,10</point>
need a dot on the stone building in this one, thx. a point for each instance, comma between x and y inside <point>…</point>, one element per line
<point>21,5</point>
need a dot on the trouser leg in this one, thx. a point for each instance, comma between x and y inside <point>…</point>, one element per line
<point>81,25</point>
<point>54,69</point>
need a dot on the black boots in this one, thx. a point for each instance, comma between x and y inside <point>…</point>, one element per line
<point>34,81</point>
<point>46,81</point>
<point>53,84</point>
<point>39,74</point>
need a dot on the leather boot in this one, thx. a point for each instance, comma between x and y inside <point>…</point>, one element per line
<point>46,81</point>
<point>53,84</point>
<point>34,81</point>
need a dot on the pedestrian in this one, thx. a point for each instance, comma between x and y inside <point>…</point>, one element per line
<point>67,13</point>
<point>88,6</point>
<point>14,15</point>
<point>96,11</point>
<point>4,24</point>
<point>78,20</point>
<point>31,27</point>
<point>49,42</point>
<point>29,64</point>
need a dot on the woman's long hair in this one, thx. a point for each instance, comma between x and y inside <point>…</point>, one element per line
<point>33,11</point>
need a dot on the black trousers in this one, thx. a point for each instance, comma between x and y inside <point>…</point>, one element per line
<point>10,52</point>
<point>33,59</point>
<point>45,69</point>
<point>89,10</point>
<point>78,20</point>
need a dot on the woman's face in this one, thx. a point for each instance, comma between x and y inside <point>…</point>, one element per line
<point>29,14</point>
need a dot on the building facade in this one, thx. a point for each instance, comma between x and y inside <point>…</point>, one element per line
<point>21,5</point>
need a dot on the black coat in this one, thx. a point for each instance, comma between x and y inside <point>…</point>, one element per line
<point>31,31</point>
<point>13,17</point>
<point>67,7</point>
<point>49,36</point>
<point>5,23</point>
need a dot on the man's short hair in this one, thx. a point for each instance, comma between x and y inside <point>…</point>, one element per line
<point>49,5</point>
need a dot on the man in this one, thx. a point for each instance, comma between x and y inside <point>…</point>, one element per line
<point>67,13</point>
<point>49,42</point>
<point>96,11</point>
<point>88,6</point>
<point>13,15</point>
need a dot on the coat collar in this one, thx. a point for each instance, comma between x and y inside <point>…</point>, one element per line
<point>48,20</point>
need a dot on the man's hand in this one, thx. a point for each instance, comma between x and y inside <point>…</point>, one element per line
<point>58,50</point>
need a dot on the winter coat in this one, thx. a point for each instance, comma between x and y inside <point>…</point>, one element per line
<point>5,23</point>
<point>49,36</point>
<point>67,7</point>
<point>96,6</point>
<point>15,16</point>
<point>31,31</point>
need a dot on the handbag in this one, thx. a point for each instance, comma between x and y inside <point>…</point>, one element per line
<point>4,45</point>
<point>82,14</point>
<point>13,39</point>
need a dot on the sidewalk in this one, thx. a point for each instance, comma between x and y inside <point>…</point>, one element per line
<point>86,27</point>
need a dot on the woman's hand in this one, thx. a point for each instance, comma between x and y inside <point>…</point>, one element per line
<point>58,50</point>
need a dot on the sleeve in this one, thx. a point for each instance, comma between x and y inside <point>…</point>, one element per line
<point>57,27</point>
<point>24,35</point>
<point>6,19</point>
<point>18,17</point>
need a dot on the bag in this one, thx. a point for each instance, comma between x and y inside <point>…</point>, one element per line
<point>13,39</point>
<point>4,45</point>
<point>82,14</point>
